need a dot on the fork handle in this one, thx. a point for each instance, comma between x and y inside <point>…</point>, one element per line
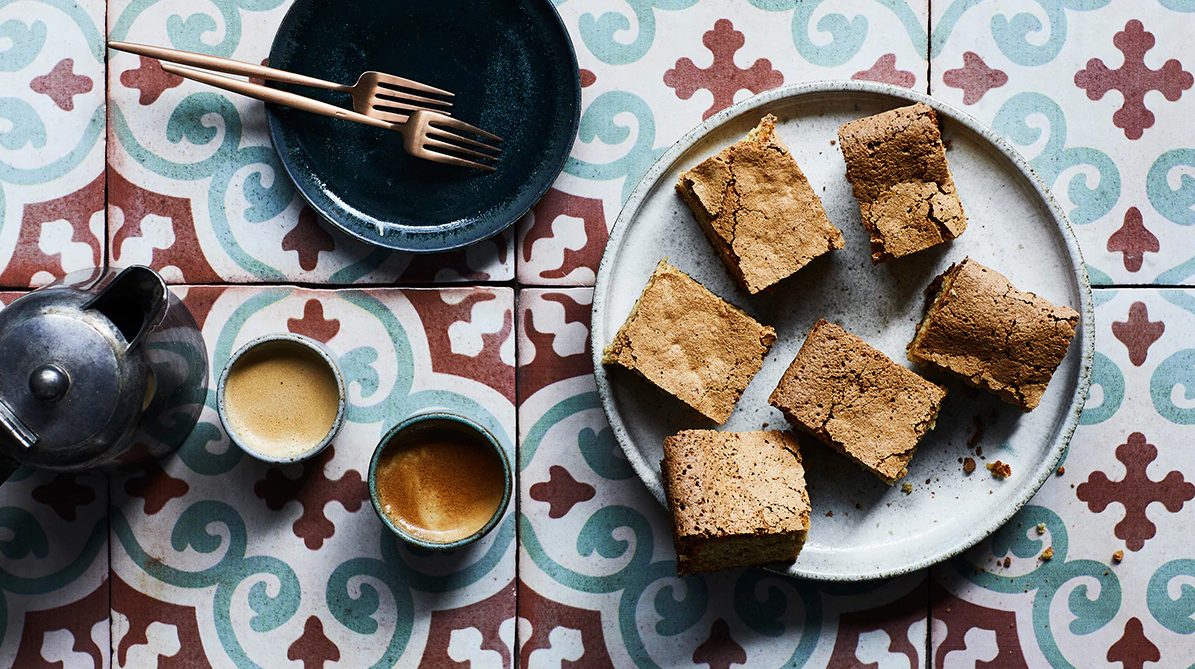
<point>225,65</point>
<point>267,94</point>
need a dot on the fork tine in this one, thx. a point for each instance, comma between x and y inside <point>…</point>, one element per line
<point>441,122</point>
<point>437,157</point>
<point>454,137</point>
<point>399,96</point>
<point>400,106</point>
<point>431,141</point>
<point>393,82</point>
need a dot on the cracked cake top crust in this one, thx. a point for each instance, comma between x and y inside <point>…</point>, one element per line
<point>758,210</point>
<point>735,483</point>
<point>896,164</point>
<point>857,400</point>
<point>736,498</point>
<point>691,343</point>
<point>983,329</point>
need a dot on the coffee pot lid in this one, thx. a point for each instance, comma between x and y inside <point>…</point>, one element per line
<point>60,381</point>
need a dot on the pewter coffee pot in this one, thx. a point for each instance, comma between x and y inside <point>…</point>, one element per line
<point>102,370</point>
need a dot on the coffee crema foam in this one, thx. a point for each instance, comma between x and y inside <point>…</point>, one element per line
<point>440,490</point>
<point>281,399</point>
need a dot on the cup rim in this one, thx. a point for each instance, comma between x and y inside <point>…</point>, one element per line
<point>487,436</point>
<point>308,343</point>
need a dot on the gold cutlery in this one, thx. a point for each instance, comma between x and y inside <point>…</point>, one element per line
<point>377,94</point>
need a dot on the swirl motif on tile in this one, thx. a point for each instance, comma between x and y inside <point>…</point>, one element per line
<point>598,32</point>
<point>1173,611</point>
<point>1093,592</point>
<point>1177,204</point>
<point>600,122</point>
<point>847,34</point>
<point>1174,373</point>
<point>1056,158</point>
<point>193,531</point>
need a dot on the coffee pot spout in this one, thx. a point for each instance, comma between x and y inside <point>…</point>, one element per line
<point>135,301</point>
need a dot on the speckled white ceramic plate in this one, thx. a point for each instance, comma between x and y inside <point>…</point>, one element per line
<point>1014,227</point>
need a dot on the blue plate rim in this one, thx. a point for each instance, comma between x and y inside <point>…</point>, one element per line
<point>416,239</point>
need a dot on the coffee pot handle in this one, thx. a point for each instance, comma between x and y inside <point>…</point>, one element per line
<point>15,429</point>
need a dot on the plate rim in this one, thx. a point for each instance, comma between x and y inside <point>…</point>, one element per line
<point>1086,334</point>
<point>411,239</point>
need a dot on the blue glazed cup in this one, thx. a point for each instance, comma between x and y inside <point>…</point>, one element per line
<point>412,430</point>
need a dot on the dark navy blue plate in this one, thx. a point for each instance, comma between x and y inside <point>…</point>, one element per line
<point>513,70</point>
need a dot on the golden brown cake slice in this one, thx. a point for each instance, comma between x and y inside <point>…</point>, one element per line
<point>856,400</point>
<point>691,343</point>
<point>737,498</point>
<point>896,164</point>
<point>981,328</point>
<point>758,209</point>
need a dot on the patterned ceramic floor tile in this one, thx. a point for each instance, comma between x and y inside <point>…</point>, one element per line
<point>1098,95</point>
<point>51,140</point>
<point>220,556</point>
<point>53,567</point>
<point>650,71</point>
<point>54,570</point>
<point>1128,491</point>
<point>597,571</point>
<point>196,190</point>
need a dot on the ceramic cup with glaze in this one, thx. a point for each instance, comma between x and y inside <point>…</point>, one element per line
<point>440,481</point>
<point>281,398</point>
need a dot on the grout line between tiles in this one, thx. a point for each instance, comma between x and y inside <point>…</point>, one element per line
<point>929,44</point>
<point>929,619</point>
<point>518,490</point>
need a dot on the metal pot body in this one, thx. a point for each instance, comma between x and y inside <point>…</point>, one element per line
<point>102,370</point>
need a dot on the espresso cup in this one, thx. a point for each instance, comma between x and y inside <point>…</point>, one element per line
<point>281,398</point>
<point>440,481</point>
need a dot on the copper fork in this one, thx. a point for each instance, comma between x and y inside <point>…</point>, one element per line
<point>377,94</point>
<point>426,134</point>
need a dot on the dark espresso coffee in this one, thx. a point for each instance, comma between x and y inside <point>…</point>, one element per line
<point>440,485</point>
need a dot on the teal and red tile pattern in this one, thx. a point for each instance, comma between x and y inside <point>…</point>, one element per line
<point>213,559</point>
